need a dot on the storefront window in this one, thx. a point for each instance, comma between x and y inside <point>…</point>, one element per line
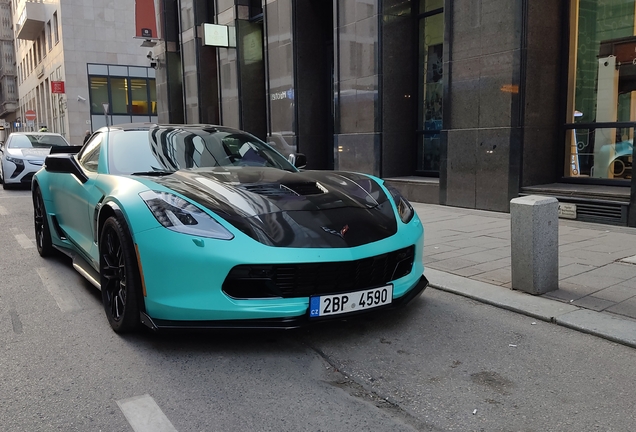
<point>139,96</point>
<point>99,93</point>
<point>153,96</point>
<point>119,92</point>
<point>602,78</point>
<point>431,72</point>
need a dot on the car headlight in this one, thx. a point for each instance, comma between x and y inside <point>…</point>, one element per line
<point>15,160</point>
<point>404,208</point>
<point>179,215</point>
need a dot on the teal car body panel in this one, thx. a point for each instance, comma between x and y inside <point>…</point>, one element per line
<point>182,273</point>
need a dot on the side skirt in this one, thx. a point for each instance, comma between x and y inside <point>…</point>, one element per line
<point>82,266</point>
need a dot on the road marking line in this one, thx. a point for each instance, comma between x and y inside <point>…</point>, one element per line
<point>64,298</point>
<point>144,415</point>
<point>21,238</point>
<point>16,323</point>
<point>3,211</point>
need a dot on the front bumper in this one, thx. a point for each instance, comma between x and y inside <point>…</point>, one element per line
<point>184,275</point>
<point>280,323</point>
<point>20,174</point>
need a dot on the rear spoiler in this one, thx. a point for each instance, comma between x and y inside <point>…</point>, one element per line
<point>65,149</point>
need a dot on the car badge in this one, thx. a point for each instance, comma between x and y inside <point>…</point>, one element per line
<point>340,233</point>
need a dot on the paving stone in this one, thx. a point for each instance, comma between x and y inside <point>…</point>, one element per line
<point>618,293</point>
<point>468,271</point>
<point>493,265</point>
<point>452,264</point>
<point>626,308</point>
<point>574,269</point>
<point>499,276</point>
<point>615,270</point>
<point>459,252</point>
<point>593,281</point>
<point>629,259</point>
<point>593,303</point>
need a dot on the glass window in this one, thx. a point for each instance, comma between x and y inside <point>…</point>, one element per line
<point>602,89</point>
<point>119,93</point>
<point>97,69</point>
<point>139,96</point>
<point>56,30</point>
<point>153,96</point>
<point>138,71</point>
<point>48,36</point>
<point>118,70</point>
<point>36,141</point>
<point>169,149</point>
<point>430,5</point>
<point>431,73</point>
<point>89,155</point>
<point>128,96</point>
<point>98,93</point>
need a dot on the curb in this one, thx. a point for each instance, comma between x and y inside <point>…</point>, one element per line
<point>604,325</point>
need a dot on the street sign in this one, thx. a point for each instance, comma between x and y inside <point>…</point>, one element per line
<point>29,115</point>
<point>57,86</point>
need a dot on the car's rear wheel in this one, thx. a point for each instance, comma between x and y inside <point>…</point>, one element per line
<point>119,276</point>
<point>43,240</point>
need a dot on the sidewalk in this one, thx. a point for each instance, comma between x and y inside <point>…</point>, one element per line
<point>467,252</point>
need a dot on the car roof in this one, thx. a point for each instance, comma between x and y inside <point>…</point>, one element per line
<point>35,133</point>
<point>146,126</point>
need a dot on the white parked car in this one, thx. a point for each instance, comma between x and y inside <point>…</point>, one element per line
<point>23,154</point>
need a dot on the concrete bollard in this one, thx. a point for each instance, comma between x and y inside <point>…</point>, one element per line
<point>534,238</point>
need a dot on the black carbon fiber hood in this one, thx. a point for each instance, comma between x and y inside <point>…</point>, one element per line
<point>291,209</point>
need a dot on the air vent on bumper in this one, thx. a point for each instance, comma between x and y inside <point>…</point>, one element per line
<point>306,279</point>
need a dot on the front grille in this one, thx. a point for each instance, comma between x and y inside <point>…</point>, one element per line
<point>307,279</point>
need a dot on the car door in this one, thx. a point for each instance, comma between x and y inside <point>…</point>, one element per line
<point>75,200</point>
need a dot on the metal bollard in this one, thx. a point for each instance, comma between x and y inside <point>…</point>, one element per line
<point>534,238</point>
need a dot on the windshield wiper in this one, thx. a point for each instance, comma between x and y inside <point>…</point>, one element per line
<point>153,173</point>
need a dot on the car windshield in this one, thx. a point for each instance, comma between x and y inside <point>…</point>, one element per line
<point>168,149</point>
<point>37,141</point>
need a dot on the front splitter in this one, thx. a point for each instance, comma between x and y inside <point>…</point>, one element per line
<point>278,323</point>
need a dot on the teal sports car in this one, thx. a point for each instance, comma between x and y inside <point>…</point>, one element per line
<point>200,226</point>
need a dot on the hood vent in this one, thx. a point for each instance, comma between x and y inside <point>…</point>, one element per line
<point>295,189</point>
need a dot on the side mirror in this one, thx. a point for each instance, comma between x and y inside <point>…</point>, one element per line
<point>66,164</point>
<point>298,160</point>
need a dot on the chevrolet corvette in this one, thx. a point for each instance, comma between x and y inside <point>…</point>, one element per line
<point>201,226</point>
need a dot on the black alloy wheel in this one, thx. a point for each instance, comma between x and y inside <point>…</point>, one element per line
<point>41,223</point>
<point>119,277</point>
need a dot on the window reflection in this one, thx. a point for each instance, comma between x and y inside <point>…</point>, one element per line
<point>431,73</point>
<point>170,149</point>
<point>602,89</point>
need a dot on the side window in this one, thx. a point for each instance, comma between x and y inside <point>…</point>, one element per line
<point>89,156</point>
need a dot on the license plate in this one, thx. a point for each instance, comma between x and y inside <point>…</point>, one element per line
<point>350,302</point>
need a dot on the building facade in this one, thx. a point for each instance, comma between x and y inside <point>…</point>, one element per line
<point>72,58</point>
<point>466,103</point>
<point>8,77</point>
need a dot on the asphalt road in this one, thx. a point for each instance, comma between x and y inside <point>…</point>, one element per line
<point>444,363</point>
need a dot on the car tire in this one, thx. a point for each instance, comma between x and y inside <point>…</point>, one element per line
<point>43,240</point>
<point>119,276</point>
